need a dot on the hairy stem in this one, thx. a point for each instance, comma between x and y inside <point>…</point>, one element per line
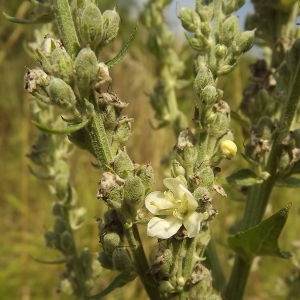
<point>141,262</point>
<point>66,26</point>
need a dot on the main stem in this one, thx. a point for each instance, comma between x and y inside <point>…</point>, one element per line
<point>141,262</point>
<point>259,195</point>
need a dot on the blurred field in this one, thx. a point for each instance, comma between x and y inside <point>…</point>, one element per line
<point>26,202</point>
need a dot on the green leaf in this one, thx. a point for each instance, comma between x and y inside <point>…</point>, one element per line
<point>244,177</point>
<point>261,239</point>
<point>118,282</point>
<point>50,262</point>
<point>124,50</point>
<point>290,182</point>
<point>68,129</point>
<point>44,18</point>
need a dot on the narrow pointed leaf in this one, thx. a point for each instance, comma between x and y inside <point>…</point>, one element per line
<point>244,177</point>
<point>68,129</point>
<point>124,50</point>
<point>50,262</point>
<point>261,239</point>
<point>45,18</point>
<point>290,182</point>
<point>118,282</point>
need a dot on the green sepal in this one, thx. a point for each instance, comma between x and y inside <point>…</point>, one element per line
<point>67,130</point>
<point>262,239</point>
<point>45,18</point>
<point>117,282</point>
<point>289,182</point>
<point>110,63</point>
<point>244,177</point>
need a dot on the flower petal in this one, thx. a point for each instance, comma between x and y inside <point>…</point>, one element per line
<point>180,191</point>
<point>157,204</point>
<point>163,228</point>
<point>174,185</point>
<point>192,223</point>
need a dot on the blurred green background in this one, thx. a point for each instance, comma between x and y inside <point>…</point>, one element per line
<point>26,202</point>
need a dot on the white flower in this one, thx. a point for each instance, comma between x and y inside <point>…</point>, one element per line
<point>177,206</point>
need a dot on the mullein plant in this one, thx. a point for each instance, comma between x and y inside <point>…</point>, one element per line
<point>72,80</point>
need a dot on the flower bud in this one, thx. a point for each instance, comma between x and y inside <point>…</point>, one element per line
<point>57,209</point>
<point>121,259</point>
<point>61,64</point>
<point>52,239</point>
<point>86,68</point>
<point>228,148</point>
<point>134,190</point>
<point>166,263</point>
<point>244,41</point>
<point>225,69</point>
<point>123,130</point>
<point>61,94</point>
<point>229,30</point>
<point>60,225</point>
<point>204,11</point>
<point>49,44</point>
<point>201,193</point>
<point>209,95</point>
<point>190,20</point>
<point>110,242</point>
<point>105,261</point>
<point>203,78</point>
<point>207,177</point>
<point>90,25</point>
<point>66,287</point>
<point>221,50</point>
<point>122,164</point>
<point>220,125</point>
<point>196,43</point>
<point>146,174</point>
<point>110,21</point>
<point>177,169</point>
<point>205,28</point>
<point>166,287</point>
<point>66,242</point>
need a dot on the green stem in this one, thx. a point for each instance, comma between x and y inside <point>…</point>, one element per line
<point>66,26</point>
<point>213,263</point>
<point>235,288</point>
<point>141,262</point>
<point>258,196</point>
<point>188,263</point>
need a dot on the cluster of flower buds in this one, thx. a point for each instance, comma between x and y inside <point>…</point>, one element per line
<point>95,28</point>
<point>114,254</point>
<point>127,186</point>
<point>225,40</point>
<point>290,157</point>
